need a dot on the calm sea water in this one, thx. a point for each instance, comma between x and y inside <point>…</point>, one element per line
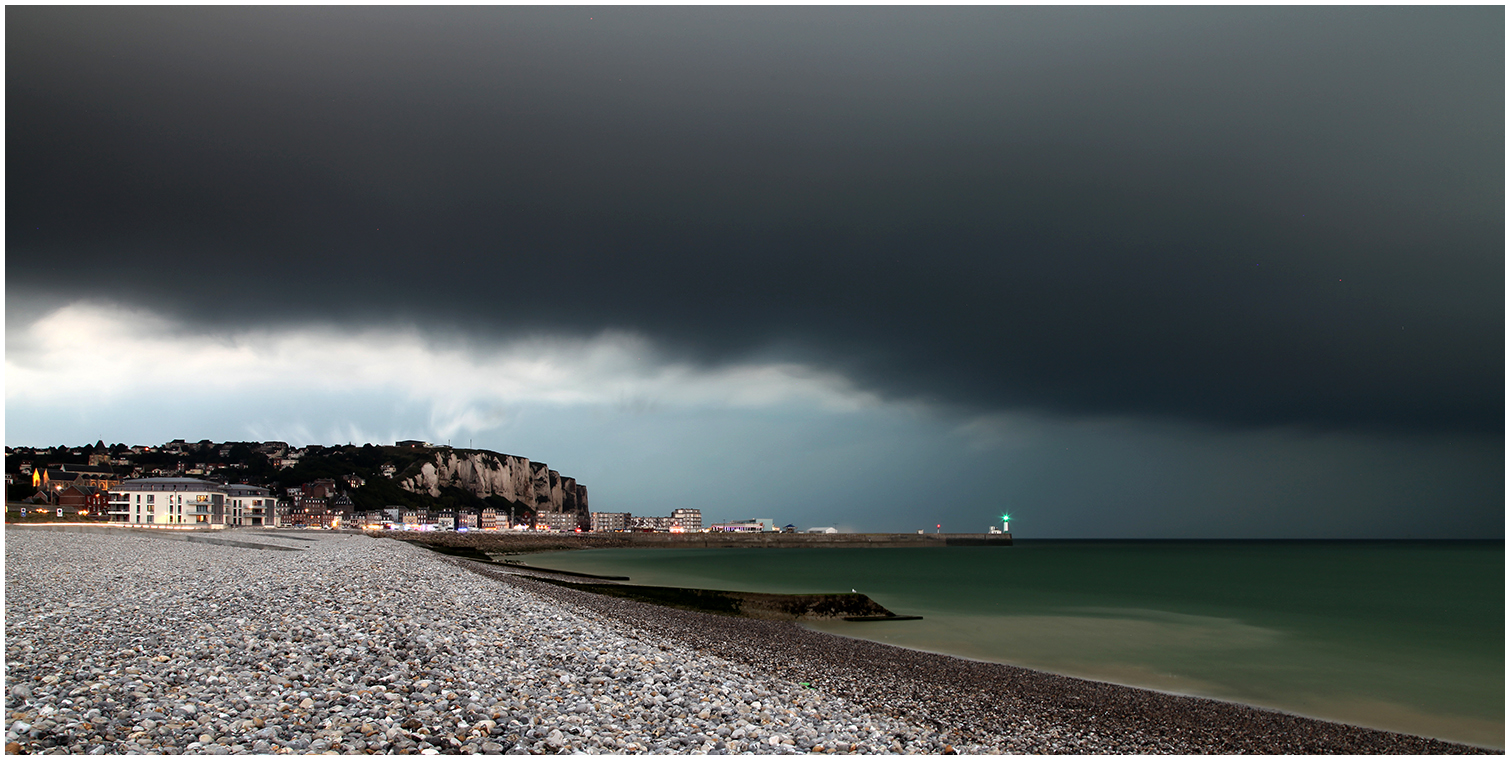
<point>1405,636</point>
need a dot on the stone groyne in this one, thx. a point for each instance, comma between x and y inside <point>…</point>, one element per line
<point>749,604</point>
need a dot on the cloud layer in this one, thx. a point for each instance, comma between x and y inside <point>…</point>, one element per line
<point>1198,265</point>
<point>1235,216</point>
<point>463,384</point>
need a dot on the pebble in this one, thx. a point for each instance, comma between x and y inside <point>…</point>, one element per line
<point>123,644</point>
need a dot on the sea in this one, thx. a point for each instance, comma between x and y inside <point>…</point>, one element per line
<point>1406,636</point>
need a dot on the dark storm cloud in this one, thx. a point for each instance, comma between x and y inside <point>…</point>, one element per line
<point>1235,216</point>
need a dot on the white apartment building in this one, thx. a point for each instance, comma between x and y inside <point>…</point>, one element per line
<point>249,505</point>
<point>188,502</point>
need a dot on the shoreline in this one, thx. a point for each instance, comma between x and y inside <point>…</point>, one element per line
<point>345,644</point>
<point>1006,707</point>
<point>1183,695</point>
<point>354,646</point>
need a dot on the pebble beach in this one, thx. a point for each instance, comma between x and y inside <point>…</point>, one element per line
<point>122,643</point>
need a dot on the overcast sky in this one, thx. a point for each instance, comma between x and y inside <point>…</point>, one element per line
<point>1136,272</point>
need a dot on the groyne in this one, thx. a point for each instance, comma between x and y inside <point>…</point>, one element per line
<point>760,606</point>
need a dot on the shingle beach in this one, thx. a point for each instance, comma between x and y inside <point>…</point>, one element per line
<point>124,643</point>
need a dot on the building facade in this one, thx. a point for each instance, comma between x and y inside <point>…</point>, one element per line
<point>65,475</point>
<point>650,524</point>
<point>689,520</point>
<point>83,500</point>
<point>607,522</point>
<point>188,501</point>
<point>755,525</point>
<point>168,501</point>
<point>559,521</point>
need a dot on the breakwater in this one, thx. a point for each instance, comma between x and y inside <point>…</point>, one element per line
<point>852,606</point>
<point>504,542</point>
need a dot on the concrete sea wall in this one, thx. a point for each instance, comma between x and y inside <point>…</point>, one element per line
<point>510,541</point>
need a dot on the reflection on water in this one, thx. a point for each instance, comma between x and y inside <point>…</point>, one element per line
<point>1244,663</point>
<point>1097,648</point>
<point>1405,637</point>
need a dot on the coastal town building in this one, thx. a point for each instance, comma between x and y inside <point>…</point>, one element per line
<point>57,478</point>
<point>249,505</point>
<point>650,524</point>
<point>83,500</point>
<point>608,522</point>
<point>754,525</point>
<point>680,521</point>
<point>689,520</point>
<point>558,521</point>
<point>183,501</point>
<point>343,504</point>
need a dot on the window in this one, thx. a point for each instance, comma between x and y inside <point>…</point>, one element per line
<point>149,498</point>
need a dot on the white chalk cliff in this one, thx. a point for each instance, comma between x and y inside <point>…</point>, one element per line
<point>487,473</point>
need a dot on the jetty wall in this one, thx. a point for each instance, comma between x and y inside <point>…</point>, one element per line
<point>511,541</point>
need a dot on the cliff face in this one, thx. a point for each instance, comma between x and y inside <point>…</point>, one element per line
<point>486,473</point>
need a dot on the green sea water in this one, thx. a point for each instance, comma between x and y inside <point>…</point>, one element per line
<point>1404,636</point>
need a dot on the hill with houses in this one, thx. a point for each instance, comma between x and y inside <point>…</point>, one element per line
<point>411,475</point>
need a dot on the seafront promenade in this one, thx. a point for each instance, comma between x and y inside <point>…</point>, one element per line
<point>313,641</point>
